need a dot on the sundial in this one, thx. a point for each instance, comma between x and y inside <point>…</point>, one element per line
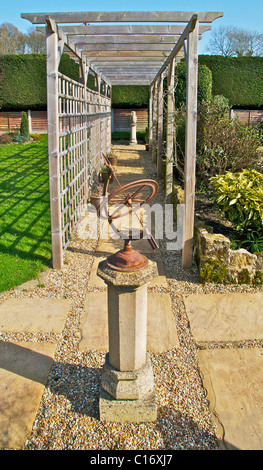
<point>131,196</point>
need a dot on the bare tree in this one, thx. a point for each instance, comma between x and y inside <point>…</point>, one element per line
<point>12,41</point>
<point>36,42</point>
<point>235,42</point>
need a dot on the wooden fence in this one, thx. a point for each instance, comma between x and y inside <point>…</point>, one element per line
<point>247,116</point>
<point>10,121</point>
<point>121,119</point>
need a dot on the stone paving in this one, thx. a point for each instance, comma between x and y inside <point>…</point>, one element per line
<point>232,376</point>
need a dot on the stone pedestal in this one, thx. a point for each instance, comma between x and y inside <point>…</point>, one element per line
<point>127,387</point>
<point>133,139</point>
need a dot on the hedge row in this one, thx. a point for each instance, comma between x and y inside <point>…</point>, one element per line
<point>130,96</point>
<point>23,82</point>
<point>239,79</point>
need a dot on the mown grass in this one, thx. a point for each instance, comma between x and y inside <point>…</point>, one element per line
<point>125,135</point>
<point>25,238</point>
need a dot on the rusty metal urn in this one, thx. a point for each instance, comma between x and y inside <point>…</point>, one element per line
<point>127,259</point>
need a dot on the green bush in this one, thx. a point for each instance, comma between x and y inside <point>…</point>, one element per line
<point>204,89</point>
<point>36,137</point>
<point>223,144</point>
<point>24,126</point>
<point>240,196</point>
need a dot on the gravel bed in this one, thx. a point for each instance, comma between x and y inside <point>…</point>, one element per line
<point>68,416</point>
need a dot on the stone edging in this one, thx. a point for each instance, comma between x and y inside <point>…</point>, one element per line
<point>218,263</point>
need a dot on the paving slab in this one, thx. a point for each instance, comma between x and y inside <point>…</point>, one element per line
<point>233,379</point>
<point>225,317</point>
<point>24,368</point>
<point>161,325</point>
<point>32,315</point>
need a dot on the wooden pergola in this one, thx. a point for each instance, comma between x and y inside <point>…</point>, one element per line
<point>118,48</point>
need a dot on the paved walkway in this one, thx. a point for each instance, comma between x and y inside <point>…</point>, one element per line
<point>232,375</point>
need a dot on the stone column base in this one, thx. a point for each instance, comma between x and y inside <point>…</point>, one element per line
<point>127,385</point>
<point>127,395</point>
<point>133,411</point>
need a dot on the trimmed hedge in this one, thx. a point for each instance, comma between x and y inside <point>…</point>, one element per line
<point>130,96</point>
<point>23,82</point>
<point>239,79</point>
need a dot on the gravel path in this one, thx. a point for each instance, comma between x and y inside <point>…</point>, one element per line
<point>68,417</point>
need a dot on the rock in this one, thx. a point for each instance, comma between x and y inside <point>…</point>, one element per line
<point>242,266</point>
<point>213,245</point>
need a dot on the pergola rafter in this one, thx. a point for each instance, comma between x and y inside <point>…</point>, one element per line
<point>125,48</point>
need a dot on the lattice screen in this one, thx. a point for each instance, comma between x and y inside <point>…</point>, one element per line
<point>84,134</point>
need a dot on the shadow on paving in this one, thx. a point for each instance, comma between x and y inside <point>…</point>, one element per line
<point>80,386</point>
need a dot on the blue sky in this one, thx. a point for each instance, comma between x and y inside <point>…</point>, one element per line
<point>238,13</point>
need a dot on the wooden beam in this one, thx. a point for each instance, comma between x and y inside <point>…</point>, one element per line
<point>160,127</point>
<point>190,27</point>
<point>154,127</point>
<point>128,81</point>
<point>131,61</point>
<point>128,66</point>
<point>53,146</point>
<point>53,27</point>
<point>170,134</point>
<point>190,145</point>
<point>150,118</point>
<point>122,16</point>
<point>127,54</point>
<point>125,39</point>
<point>124,47</point>
<point>125,29</point>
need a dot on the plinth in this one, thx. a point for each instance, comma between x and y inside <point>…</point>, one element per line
<point>127,386</point>
<point>133,139</point>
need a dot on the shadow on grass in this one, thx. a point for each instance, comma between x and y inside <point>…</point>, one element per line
<point>25,236</point>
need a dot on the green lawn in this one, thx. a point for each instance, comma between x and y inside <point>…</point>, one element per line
<point>25,240</point>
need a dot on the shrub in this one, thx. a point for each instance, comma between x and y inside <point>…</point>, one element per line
<point>240,196</point>
<point>6,138</point>
<point>36,137</point>
<point>223,144</point>
<point>24,126</point>
<point>204,89</point>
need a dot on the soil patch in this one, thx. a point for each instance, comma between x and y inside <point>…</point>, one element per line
<point>205,210</point>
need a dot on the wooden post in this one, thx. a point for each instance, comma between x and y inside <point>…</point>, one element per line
<point>170,134</point>
<point>84,72</point>
<point>190,145</point>
<point>160,126</point>
<point>110,116</point>
<point>150,124</point>
<point>29,121</point>
<point>154,126</point>
<point>53,146</point>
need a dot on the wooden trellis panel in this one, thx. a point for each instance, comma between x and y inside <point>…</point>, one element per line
<point>84,122</point>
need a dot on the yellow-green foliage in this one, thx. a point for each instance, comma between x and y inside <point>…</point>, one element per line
<point>240,196</point>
